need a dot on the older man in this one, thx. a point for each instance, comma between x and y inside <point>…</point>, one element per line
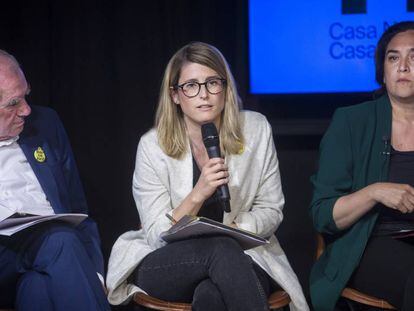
<point>50,266</point>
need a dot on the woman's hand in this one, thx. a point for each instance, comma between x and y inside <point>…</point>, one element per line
<point>213,174</point>
<point>396,196</point>
<point>350,208</point>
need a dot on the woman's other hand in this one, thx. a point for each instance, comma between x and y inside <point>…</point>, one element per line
<point>349,208</point>
<point>396,196</point>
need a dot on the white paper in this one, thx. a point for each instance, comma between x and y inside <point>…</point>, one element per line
<point>5,213</point>
<point>10,226</point>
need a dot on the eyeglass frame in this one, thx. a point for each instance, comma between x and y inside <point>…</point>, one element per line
<point>181,86</point>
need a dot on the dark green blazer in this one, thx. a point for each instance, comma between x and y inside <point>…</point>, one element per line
<point>354,153</point>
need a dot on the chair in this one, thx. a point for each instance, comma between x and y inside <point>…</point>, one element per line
<point>352,295</point>
<point>278,300</point>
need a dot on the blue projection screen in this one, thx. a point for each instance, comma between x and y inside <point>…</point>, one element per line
<point>324,46</point>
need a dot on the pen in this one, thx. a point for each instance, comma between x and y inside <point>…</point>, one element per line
<point>173,221</point>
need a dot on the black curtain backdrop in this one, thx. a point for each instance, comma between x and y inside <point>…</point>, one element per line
<point>99,64</point>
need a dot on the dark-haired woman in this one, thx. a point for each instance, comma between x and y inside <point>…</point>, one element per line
<point>363,198</point>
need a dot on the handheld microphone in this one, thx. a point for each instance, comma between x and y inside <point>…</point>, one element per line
<point>212,143</point>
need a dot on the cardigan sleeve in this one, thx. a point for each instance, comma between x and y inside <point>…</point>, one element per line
<point>151,195</point>
<point>334,177</point>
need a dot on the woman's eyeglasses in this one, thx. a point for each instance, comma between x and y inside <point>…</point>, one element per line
<point>192,89</point>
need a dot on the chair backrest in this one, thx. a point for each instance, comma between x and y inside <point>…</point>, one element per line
<point>320,245</point>
<point>277,300</point>
<point>147,301</point>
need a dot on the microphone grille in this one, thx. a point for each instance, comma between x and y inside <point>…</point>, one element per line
<point>210,135</point>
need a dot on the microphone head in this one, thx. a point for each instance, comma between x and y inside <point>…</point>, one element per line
<point>210,135</point>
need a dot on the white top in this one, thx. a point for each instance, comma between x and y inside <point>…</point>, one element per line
<point>20,191</point>
<point>161,183</point>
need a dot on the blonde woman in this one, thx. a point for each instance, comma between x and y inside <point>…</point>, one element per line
<point>174,175</point>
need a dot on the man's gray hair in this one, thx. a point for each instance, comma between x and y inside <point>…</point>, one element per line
<point>9,56</point>
<point>14,61</point>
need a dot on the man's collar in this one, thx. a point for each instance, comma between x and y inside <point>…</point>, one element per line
<point>8,142</point>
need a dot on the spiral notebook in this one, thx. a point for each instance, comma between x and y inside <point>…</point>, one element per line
<point>193,226</point>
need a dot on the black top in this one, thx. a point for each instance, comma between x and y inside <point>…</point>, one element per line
<point>211,207</point>
<point>401,170</point>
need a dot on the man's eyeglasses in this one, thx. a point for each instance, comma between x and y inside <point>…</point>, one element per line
<point>192,89</point>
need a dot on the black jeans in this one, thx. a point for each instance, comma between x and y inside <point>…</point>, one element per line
<point>386,271</point>
<point>212,273</point>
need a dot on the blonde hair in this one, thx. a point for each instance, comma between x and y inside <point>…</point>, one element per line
<point>169,120</point>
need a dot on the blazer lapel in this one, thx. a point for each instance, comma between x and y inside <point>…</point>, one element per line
<point>181,178</point>
<point>383,139</point>
<point>42,170</point>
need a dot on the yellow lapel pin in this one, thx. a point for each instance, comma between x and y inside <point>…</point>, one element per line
<point>241,146</point>
<point>40,155</point>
